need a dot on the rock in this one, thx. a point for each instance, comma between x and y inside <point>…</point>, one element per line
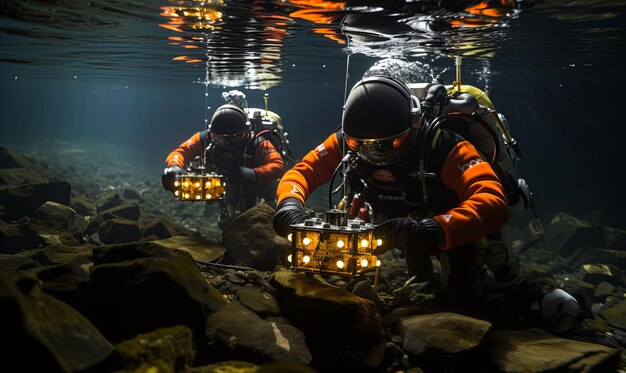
<point>342,330</point>
<point>9,158</point>
<point>53,211</point>
<point>15,169</point>
<point>235,332</point>
<point>55,336</point>
<point>199,248</point>
<point>119,230</point>
<point>227,367</point>
<point>129,211</point>
<point>137,288</point>
<point>61,254</point>
<point>14,263</point>
<point>596,273</point>
<point>251,241</point>
<point>566,234</point>
<point>524,351</point>
<point>364,289</point>
<point>442,334</point>
<point>69,282</point>
<point>262,303</point>
<point>615,239</point>
<point>589,254</point>
<point>603,290</point>
<point>18,237</point>
<point>163,350</point>
<point>83,205</point>
<point>164,228</point>
<point>616,315</point>
<point>17,201</point>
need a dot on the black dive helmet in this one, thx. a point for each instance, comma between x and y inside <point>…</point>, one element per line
<point>230,127</point>
<point>380,119</point>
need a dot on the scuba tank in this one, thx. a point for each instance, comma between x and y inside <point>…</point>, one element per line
<point>468,111</point>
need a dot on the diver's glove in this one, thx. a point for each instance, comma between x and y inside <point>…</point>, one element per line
<point>242,175</point>
<point>169,177</point>
<point>408,234</point>
<point>289,211</point>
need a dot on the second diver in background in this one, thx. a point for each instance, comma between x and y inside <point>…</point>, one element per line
<point>249,156</point>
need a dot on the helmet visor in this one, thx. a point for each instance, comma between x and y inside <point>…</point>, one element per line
<point>380,151</point>
<point>231,140</point>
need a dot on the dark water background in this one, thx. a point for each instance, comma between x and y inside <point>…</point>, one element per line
<point>102,74</point>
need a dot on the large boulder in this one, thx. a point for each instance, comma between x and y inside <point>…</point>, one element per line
<point>163,350</point>
<point>119,230</point>
<point>141,287</point>
<point>343,331</point>
<point>442,334</point>
<point>251,241</point>
<point>43,334</point>
<point>235,332</point>
<point>53,211</point>
<point>199,248</point>
<point>17,201</point>
<point>566,234</point>
<point>524,351</point>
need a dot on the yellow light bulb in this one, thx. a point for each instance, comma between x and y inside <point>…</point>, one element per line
<point>289,258</point>
<point>198,196</point>
<point>306,259</point>
<point>365,243</point>
<point>176,183</point>
<point>306,241</point>
<point>290,236</point>
<point>197,185</point>
<point>185,184</point>
<point>364,263</point>
<point>176,193</point>
<point>379,242</point>
<point>340,264</point>
<point>340,244</point>
<point>378,263</point>
<point>208,184</point>
<point>186,195</point>
<point>208,196</point>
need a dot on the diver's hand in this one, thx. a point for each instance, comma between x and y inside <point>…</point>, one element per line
<point>169,177</point>
<point>289,211</point>
<point>242,175</point>
<point>408,234</point>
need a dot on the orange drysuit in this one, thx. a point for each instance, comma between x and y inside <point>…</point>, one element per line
<point>259,154</point>
<point>467,198</point>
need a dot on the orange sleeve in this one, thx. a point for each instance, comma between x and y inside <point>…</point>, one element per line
<point>271,163</point>
<point>483,209</point>
<point>314,170</point>
<point>186,151</point>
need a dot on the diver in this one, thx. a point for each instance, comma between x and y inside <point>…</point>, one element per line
<point>430,194</point>
<point>247,155</point>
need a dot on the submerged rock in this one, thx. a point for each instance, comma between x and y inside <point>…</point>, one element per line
<point>251,241</point>
<point>163,350</point>
<point>137,288</point>
<point>524,351</point>
<point>55,335</point>
<point>235,332</point>
<point>53,211</point>
<point>119,230</point>
<point>259,301</point>
<point>17,201</point>
<point>566,234</point>
<point>342,330</point>
<point>199,248</point>
<point>442,333</point>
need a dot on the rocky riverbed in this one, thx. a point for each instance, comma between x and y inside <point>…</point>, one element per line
<point>102,270</point>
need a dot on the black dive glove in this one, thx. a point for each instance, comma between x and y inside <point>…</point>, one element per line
<point>169,177</point>
<point>289,211</point>
<point>242,175</point>
<point>408,234</point>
